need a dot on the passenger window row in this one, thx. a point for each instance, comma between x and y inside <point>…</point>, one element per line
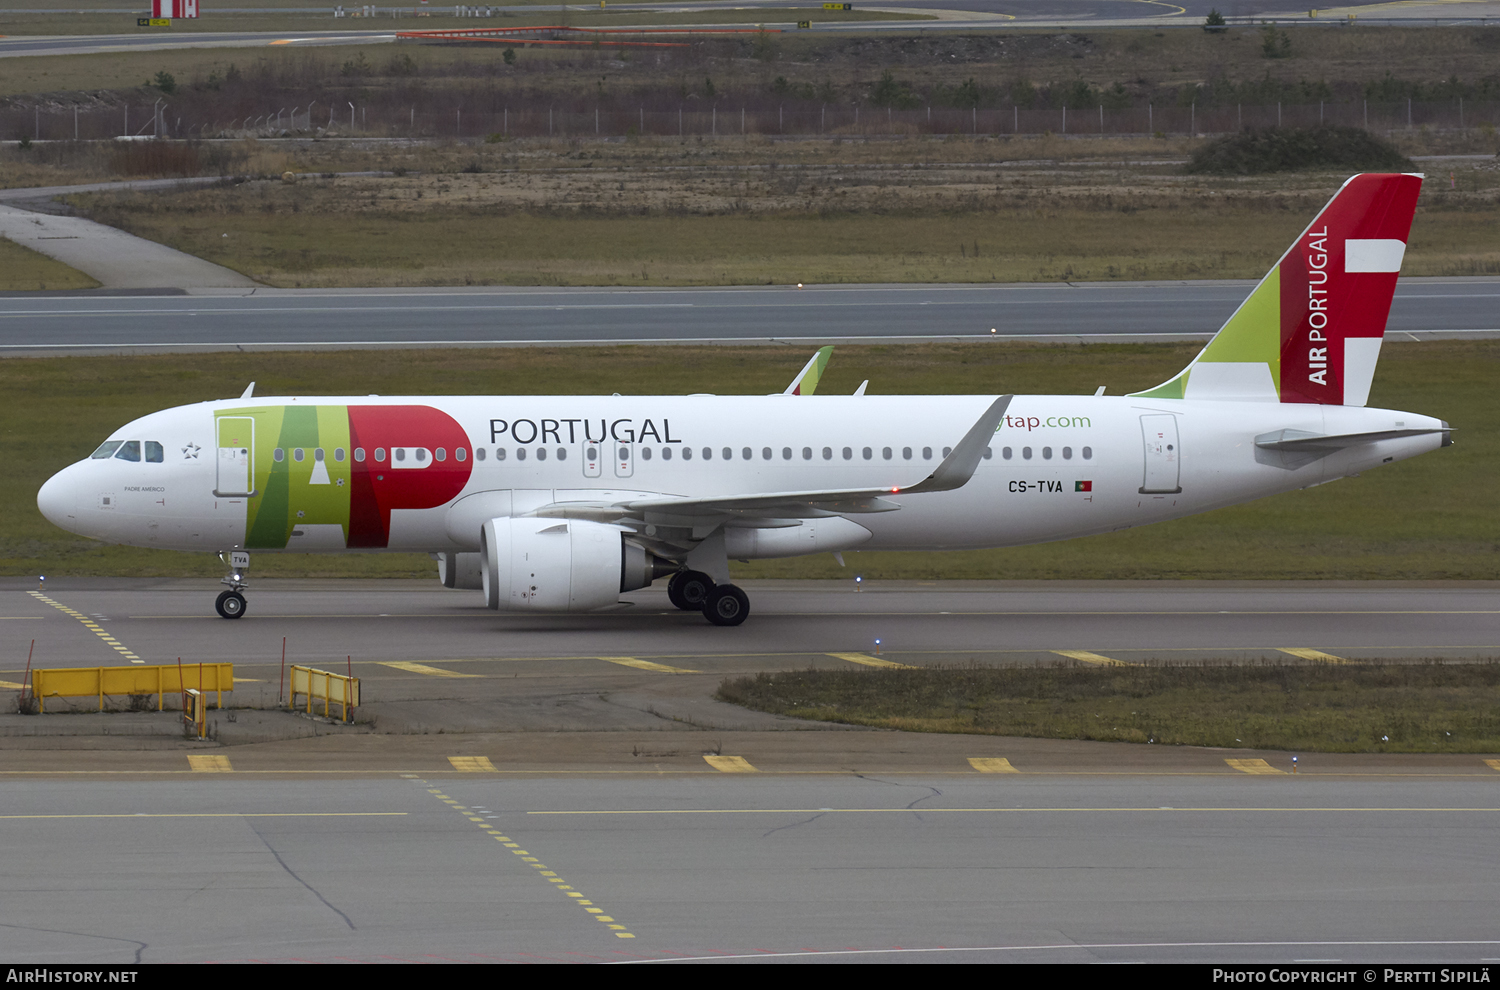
<point>1067,453</point>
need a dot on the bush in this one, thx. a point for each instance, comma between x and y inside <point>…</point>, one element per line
<point>1214,23</point>
<point>1291,149</point>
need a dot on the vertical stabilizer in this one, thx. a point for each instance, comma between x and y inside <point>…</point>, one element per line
<point>1311,330</point>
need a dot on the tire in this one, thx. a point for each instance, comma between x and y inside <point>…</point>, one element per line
<point>688,590</point>
<point>231,604</point>
<point>726,606</point>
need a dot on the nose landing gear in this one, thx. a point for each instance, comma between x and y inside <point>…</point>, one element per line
<point>231,603</point>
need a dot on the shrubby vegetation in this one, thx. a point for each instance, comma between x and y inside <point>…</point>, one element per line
<point>1290,149</point>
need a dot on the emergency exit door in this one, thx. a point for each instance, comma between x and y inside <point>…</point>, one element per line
<point>1163,472</point>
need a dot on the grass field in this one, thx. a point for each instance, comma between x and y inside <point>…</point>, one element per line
<point>22,269</point>
<point>618,218</point>
<point>1428,518</point>
<point>1345,708</point>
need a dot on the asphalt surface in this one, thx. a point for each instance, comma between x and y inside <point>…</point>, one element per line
<point>478,867</point>
<point>309,318</point>
<point>565,789</point>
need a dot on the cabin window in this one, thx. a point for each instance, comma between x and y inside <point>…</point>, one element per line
<point>906,453</point>
<point>885,452</point>
<point>949,450</point>
<point>807,453</point>
<point>479,453</point>
<point>359,454</point>
<point>926,453</point>
<point>562,453</point>
<point>867,453</point>
<point>645,453</point>
<point>1005,453</point>
<point>745,453</point>
<point>1026,453</point>
<point>153,452</point>
<point>398,452</point>
<point>1046,453</point>
<point>298,455</point>
<point>541,453</point>
<point>727,453</point>
<point>708,453</point>
<point>827,453</point>
<point>687,453</point>
<point>318,454</point>
<point>460,454</point>
<point>379,455</point>
<point>520,453</point>
<point>440,454</point>
<point>1088,453</point>
<point>848,453</point>
<point>765,453</point>
<point>988,453</point>
<point>1067,453</point>
<point>786,453</point>
<point>338,454</point>
<point>666,453</point>
<point>279,455</point>
<point>499,453</point>
<point>106,449</point>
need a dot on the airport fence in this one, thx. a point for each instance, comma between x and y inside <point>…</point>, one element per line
<point>694,120</point>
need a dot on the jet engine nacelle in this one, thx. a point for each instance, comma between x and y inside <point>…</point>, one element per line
<point>560,565</point>
<point>460,570</point>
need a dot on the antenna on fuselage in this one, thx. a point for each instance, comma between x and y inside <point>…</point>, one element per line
<point>249,391</point>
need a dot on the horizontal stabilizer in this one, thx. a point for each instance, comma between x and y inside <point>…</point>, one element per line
<point>1301,440</point>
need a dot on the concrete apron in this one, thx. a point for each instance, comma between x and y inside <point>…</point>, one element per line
<point>116,259</point>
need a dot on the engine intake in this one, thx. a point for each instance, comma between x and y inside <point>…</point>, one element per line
<point>568,565</point>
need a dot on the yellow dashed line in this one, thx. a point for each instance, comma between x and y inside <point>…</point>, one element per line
<point>730,764</point>
<point>660,668</point>
<point>472,764</point>
<point>210,764</point>
<point>866,659</point>
<point>89,624</point>
<point>1084,656</point>
<point>1253,766</point>
<point>422,668</point>
<point>1307,654</point>
<point>992,764</point>
<point>620,931</point>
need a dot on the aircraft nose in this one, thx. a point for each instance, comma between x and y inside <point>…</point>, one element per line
<point>58,500</point>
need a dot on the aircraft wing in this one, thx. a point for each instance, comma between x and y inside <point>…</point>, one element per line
<point>954,472</point>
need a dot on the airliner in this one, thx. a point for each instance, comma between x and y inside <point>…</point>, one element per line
<point>548,503</point>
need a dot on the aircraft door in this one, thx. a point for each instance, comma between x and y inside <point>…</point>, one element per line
<point>593,459</point>
<point>1163,472</point>
<point>624,460</point>
<point>236,443</point>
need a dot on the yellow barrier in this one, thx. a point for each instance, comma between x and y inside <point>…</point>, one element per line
<point>322,684</point>
<point>160,680</point>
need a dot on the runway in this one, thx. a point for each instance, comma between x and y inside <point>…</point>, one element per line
<point>567,790</point>
<point>311,318</point>
<point>474,867</point>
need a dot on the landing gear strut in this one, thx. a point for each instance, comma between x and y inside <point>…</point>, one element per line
<point>231,603</point>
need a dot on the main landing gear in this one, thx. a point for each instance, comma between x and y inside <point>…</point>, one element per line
<point>231,603</point>
<point>721,604</point>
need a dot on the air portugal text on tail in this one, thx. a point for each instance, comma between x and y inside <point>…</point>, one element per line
<point>548,503</point>
<point>1311,330</point>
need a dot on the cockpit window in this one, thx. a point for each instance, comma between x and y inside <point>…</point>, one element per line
<point>130,450</point>
<point>107,449</point>
<point>153,452</point>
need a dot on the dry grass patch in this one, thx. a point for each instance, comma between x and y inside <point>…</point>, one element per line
<point>24,270</point>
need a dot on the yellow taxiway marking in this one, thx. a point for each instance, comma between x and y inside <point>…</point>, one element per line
<point>210,764</point>
<point>1309,654</point>
<point>422,668</point>
<point>867,660</point>
<point>660,668</point>
<point>559,884</point>
<point>1253,766</point>
<point>730,764</point>
<point>992,764</point>
<point>1492,764</point>
<point>12,686</point>
<point>90,625</point>
<point>1084,656</point>
<point>472,764</point>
